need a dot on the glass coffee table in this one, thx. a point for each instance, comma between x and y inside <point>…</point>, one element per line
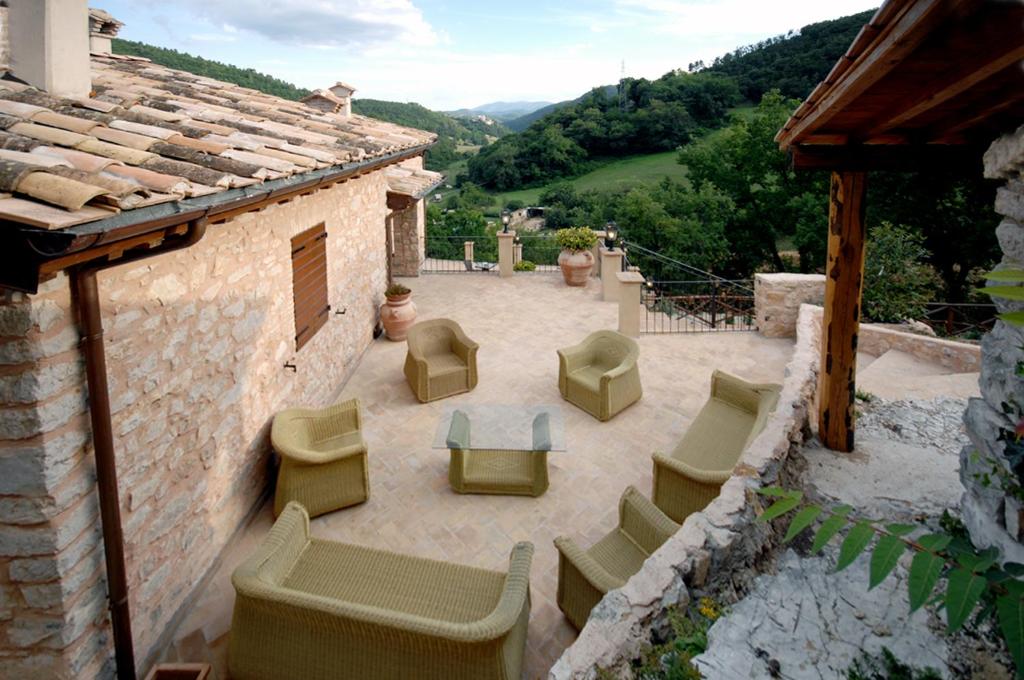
<point>500,449</point>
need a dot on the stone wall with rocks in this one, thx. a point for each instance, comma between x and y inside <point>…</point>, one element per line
<point>777,300</point>
<point>993,517</point>
<point>196,345</point>
<point>408,239</point>
<point>716,550</point>
<point>959,357</point>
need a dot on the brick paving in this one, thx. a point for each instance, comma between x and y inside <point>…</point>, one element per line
<point>519,323</point>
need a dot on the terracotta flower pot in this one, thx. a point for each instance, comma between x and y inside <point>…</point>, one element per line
<point>576,266</point>
<point>397,314</point>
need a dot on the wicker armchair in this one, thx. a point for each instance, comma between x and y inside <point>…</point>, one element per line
<point>585,576</point>
<point>320,610</point>
<point>600,375</point>
<point>323,458</point>
<point>692,475</point>
<point>441,360</point>
<point>505,472</point>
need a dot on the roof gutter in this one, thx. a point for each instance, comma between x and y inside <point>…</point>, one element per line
<point>33,253</point>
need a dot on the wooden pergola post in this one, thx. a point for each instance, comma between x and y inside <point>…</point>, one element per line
<point>844,277</point>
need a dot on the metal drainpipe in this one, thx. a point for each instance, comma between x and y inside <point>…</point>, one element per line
<point>91,322</point>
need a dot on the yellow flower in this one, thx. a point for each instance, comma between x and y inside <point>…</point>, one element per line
<point>708,609</point>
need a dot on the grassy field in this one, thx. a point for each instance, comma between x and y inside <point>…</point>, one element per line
<point>618,174</point>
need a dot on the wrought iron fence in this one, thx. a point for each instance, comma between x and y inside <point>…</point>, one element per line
<point>540,249</point>
<point>700,306</point>
<point>457,254</point>
<point>964,320</point>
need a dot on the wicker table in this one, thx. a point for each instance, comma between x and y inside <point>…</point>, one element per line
<point>500,449</point>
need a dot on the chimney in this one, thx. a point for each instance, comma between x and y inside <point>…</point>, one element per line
<point>49,45</point>
<point>102,29</point>
<point>344,93</point>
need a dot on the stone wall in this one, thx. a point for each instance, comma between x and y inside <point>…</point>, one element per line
<point>196,345</point>
<point>959,357</point>
<point>993,518</point>
<point>409,232</point>
<point>715,550</point>
<point>777,300</point>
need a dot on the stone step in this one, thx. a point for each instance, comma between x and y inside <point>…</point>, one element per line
<point>899,375</point>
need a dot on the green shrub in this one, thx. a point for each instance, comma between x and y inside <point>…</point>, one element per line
<point>897,281</point>
<point>515,204</point>
<point>396,289</point>
<point>524,266</point>
<point>576,238</point>
<point>886,666</point>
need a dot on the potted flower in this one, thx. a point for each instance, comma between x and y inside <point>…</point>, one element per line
<point>576,259</point>
<point>399,312</point>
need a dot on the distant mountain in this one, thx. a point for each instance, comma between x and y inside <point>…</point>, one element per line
<point>522,122</point>
<point>500,111</point>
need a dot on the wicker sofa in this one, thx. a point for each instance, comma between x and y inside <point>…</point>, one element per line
<point>689,478</point>
<point>323,458</point>
<point>318,610</point>
<point>584,576</point>
<point>441,360</point>
<point>600,375</point>
<point>504,472</point>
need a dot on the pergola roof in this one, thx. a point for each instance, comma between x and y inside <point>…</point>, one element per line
<point>924,82</point>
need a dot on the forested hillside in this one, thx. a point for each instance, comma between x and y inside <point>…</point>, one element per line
<point>647,116</point>
<point>793,63</point>
<point>183,61</point>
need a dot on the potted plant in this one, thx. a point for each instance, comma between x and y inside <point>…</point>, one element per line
<point>398,313</point>
<point>576,259</point>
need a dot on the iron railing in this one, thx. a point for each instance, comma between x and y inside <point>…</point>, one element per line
<point>965,320</point>
<point>698,306</point>
<point>658,267</point>
<point>540,249</point>
<point>460,254</point>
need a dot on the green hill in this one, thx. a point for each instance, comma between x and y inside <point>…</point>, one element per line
<point>246,77</point>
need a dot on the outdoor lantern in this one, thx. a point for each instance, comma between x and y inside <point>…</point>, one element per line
<point>506,217</point>
<point>611,232</point>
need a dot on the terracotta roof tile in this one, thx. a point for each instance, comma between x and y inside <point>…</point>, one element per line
<point>151,134</point>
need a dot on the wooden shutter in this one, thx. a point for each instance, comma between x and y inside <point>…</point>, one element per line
<point>309,283</point>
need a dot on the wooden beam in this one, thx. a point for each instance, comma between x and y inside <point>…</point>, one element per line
<point>844,276</point>
<point>893,44</point>
<point>883,156</point>
<point>397,201</point>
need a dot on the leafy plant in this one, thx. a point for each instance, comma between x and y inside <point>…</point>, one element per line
<point>672,660</point>
<point>524,266</point>
<point>973,577</point>
<point>396,289</point>
<point>1015,293</point>
<point>886,666</point>
<point>576,238</point>
<point>866,397</point>
<point>897,281</point>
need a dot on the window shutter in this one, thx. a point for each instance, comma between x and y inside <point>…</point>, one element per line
<point>309,283</point>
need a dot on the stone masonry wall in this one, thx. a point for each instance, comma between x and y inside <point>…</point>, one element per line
<point>715,550</point>
<point>408,232</point>
<point>196,345</point>
<point>993,518</point>
<point>777,300</point>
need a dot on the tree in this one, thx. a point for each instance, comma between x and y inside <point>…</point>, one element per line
<point>771,200</point>
<point>897,281</point>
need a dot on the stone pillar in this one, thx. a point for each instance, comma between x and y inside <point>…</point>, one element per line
<point>611,267</point>
<point>596,251</point>
<point>630,289</point>
<point>505,261</point>
<point>467,251</point>
<point>53,609</point>
<point>407,243</point>
<point>517,253</point>
<point>992,516</point>
<point>777,300</point>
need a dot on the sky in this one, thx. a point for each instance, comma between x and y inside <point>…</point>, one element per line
<point>450,54</point>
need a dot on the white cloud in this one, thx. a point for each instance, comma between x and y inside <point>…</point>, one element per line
<point>320,23</point>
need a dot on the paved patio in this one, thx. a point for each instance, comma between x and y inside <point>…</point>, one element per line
<point>519,323</point>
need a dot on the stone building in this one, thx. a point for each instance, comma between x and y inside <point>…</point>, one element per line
<point>236,247</point>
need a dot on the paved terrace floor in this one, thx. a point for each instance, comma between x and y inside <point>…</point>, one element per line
<point>519,323</point>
